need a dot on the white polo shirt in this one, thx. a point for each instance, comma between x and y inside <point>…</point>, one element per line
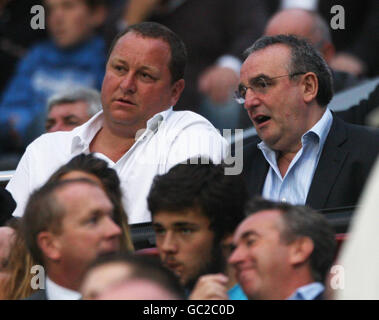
<point>171,137</point>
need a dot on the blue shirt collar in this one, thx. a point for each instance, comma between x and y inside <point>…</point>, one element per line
<point>308,292</point>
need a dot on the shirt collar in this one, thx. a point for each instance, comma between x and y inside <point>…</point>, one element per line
<point>307,292</point>
<point>320,129</point>
<point>57,292</point>
<point>84,134</point>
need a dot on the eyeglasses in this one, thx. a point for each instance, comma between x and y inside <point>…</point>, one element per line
<point>259,85</point>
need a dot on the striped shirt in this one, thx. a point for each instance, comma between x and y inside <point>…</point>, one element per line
<point>294,186</point>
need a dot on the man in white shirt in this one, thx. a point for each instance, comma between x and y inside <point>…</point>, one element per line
<point>137,132</point>
<point>282,252</point>
<point>66,226</point>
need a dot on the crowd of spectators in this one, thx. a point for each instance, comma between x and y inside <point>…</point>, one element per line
<point>110,120</point>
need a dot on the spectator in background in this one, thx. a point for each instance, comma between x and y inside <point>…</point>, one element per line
<point>311,26</point>
<point>7,238</point>
<point>81,166</point>
<point>74,56</point>
<point>66,226</point>
<point>18,271</point>
<point>70,109</point>
<point>92,168</point>
<point>138,133</point>
<point>108,272</point>
<point>195,208</point>
<point>16,35</point>
<point>307,155</point>
<point>357,43</point>
<point>215,33</point>
<point>282,252</point>
<point>7,206</point>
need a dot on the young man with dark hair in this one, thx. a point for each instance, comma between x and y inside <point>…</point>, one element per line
<point>195,208</point>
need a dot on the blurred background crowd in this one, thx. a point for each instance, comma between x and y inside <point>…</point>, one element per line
<point>71,52</point>
<point>51,80</point>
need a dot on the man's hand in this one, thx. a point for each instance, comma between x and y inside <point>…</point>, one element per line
<point>218,83</point>
<point>210,287</point>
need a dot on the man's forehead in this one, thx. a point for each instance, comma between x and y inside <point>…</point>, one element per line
<point>191,216</point>
<point>258,223</point>
<point>78,191</point>
<point>271,61</point>
<point>148,42</point>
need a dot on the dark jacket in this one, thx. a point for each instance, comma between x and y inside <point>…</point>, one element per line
<point>345,163</point>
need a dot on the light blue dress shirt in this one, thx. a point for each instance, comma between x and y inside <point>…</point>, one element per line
<point>294,186</point>
<point>236,293</point>
<point>308,292</point>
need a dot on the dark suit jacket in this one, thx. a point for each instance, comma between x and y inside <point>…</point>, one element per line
<point>38,295</point>
<point>346,159</point>
<point>7,206</point>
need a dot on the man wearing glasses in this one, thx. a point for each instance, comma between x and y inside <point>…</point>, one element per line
<point>306,155</point>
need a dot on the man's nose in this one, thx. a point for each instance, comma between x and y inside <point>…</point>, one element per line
<point>236,256</point>
<point>169,243</point>
<point>128,83</point>
<point>251,99</point>
<point>112,229</point>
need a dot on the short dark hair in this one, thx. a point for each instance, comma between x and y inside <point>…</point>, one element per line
<point>221,198</point>
<point>302,221</point>
<point>304,58</point>
<point>155,30</point>
<point>45,212</point>
<point>144,267</point>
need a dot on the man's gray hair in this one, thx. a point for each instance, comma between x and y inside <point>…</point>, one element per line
<point>88,95</point>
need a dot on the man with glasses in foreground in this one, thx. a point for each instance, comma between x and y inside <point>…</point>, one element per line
<point>306,155</point>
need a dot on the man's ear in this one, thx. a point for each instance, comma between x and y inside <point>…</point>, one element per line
<point>176,91</point>
<point>301,250</point>
<point>49,245</point>
<point>310,87</point>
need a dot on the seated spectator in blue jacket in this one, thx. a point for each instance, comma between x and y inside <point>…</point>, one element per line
<point>74,56</point>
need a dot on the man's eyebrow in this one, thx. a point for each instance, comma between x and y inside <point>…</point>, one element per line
<point>117,60</point>
<point>261,75</point>
<point>178,225</point>
<point>185,224</point>
<point>247,234</point>
<point>70,116</point>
